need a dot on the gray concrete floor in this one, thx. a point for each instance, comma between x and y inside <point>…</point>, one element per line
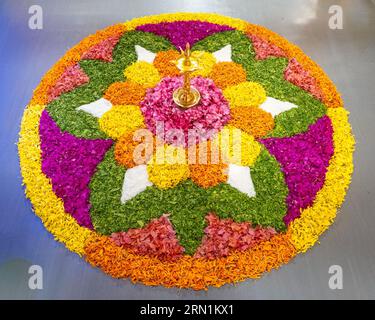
<point>347,56</point>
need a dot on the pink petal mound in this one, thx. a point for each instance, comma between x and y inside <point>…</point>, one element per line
<point>294,73</point>
<point>103,50</point>
<point>172,124</point>
<point>223,236</point>
<point>71,78</point>
<point>158,239</point>
<point>264,49</point>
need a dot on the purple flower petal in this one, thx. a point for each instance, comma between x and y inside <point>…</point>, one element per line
<point>304,159</point>
<point>181,32</point>
<point>70,162</point>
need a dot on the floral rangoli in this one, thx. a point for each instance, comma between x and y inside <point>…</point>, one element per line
<point>270,124</point>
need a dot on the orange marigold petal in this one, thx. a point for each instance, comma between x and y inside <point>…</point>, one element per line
<point>206,168</point>
<point>252,120</point>
<point>227,74</point>
<point>163,62</point>
<point>208,175</point>
<point>130,153</point>
<point>123,93</point>
<point>189,272</point>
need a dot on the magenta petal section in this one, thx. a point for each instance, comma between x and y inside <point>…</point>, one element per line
<point>181,32</point>
<point>304,159</point>
<point>70,163</point>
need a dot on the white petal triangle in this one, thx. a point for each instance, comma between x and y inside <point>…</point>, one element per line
<point>239,177</point>
<point>96,108</point>
<point>224,54</point>
<point>135,181</point>
<point>144,54</point>
<point>275,107</point>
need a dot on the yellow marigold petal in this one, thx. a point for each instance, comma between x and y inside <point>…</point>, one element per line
<point>121,119</point>
<point>143,73</point>
<point>237,146</point>
<point>206,61</point>
<point>168,167</point>
<point>245,94</point>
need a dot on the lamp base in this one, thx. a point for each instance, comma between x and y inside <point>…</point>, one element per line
<point>188,100</point>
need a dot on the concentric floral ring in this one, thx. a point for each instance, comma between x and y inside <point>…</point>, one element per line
<point>208,227</point>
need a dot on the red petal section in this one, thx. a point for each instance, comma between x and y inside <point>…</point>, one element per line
<point>222,236</point>
<point>102,50</point>
<point>295,74</point>
<point>71,78</point>
<point>265,49</point>
<point>157,239</point>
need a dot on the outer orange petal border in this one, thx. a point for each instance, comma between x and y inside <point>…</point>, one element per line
<point>187,272</point>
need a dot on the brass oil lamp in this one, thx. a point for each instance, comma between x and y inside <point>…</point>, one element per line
<point>186,96</point>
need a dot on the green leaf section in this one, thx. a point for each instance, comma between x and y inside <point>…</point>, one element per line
<point>267,208</point>
<point>187,203</point>
<point>269,73</point>
<point>101,74</point>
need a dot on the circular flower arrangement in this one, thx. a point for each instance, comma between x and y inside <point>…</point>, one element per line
<point>270,113</point>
